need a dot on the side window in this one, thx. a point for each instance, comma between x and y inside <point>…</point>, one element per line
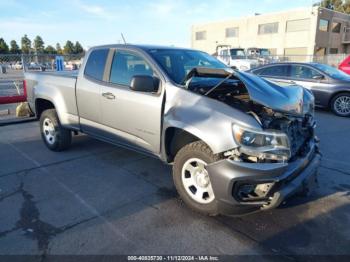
<point>258,71</point>
<point>304,72</point>
<point>125,65</point>
<point>95,64</point>
<point>275,71</point>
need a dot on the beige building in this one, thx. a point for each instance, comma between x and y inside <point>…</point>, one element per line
<point>304,31</point>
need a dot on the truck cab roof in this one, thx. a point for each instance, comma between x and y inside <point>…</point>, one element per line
<point>140,47</point>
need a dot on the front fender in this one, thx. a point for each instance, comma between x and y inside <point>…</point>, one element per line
<point>208,119</point>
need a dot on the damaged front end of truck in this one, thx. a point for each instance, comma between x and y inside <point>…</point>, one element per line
<point>269,163</point>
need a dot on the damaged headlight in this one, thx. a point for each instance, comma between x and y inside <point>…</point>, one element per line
<point>271,145</point>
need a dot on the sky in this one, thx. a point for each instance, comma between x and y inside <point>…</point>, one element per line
<point>92,22</point>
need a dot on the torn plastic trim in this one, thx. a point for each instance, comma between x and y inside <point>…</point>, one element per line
<point>225,173</point>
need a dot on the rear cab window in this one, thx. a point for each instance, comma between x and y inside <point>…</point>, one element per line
<point>95,65</point>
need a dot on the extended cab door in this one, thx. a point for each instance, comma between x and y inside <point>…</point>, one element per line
<point>131,117</point>
<point>88,91</point>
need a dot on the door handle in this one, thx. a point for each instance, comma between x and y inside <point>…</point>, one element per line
<point>108,95</point>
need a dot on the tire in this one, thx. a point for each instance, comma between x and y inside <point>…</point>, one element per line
<point>340,104</point>
<point>191,156</point>
<point>55,137</point>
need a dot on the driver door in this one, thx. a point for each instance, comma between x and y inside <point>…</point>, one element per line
<point>131,117</point>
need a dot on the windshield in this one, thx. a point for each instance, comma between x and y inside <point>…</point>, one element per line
<point>238,53</point>
<point>333,72</point>
<point>178,63</point>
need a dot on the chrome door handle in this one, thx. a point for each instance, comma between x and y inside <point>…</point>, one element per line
<point>108,95</point>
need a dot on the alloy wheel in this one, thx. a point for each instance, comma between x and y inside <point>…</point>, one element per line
<point>342,105</point>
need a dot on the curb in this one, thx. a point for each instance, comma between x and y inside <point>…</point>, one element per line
<point>18,121</point>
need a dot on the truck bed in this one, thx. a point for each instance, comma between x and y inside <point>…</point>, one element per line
<point>71,73</point>
<point>58,87</point>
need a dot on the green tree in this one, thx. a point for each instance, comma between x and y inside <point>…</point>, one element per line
<point>50,50</point>
<point>346,6</point>
<point>78,49</point>
<point>14,48</point>
<point>336,5</point>
<point>68,48</point>
<point>59,49</point>
<point>38,44</point>
<point>26,44</point>
<point>4,48</point>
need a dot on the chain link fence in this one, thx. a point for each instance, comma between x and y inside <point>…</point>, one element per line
<point>331,59</point>
<point>12,67</point>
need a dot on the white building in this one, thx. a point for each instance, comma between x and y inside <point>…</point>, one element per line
<point>303,31</point>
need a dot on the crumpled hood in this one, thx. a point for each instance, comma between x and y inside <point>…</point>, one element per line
<point>292,99</point>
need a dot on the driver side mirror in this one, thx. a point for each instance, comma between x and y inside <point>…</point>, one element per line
<point>144,83</point>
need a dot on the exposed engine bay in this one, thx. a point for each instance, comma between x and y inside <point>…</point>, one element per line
<point>233,92</point>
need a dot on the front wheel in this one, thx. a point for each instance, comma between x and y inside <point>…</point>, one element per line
<point>340,104</point>
<point>55,137</point>
<point>192,179</point>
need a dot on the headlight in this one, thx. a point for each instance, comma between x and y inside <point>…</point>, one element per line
<point>272,145</point>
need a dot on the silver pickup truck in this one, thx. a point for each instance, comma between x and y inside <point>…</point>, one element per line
<point>238,143</point>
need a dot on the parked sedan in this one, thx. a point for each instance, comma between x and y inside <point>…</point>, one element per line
<point>345,65</point>
<point>36,67</point>
<point>330,86</point>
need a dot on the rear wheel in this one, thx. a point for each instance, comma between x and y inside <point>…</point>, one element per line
<point>192,179</point>
<point>340,104</point>
<point>55,137</point>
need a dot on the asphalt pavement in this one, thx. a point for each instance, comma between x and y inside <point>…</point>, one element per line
<point>99,199</point>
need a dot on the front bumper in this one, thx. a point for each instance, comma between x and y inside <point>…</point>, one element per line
<point>227,176</point>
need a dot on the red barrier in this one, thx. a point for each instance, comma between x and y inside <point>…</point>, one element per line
<point>15,98</point>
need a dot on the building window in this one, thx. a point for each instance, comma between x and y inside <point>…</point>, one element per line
<point>270,28</point>
<point>336,27</point>
<point>333,51</point>
<point>273,51</point>
<point>323,26</point>
<point>320,51</point>
<point>298,25</point>
<point>231,32</point>
<point>202,35</point>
